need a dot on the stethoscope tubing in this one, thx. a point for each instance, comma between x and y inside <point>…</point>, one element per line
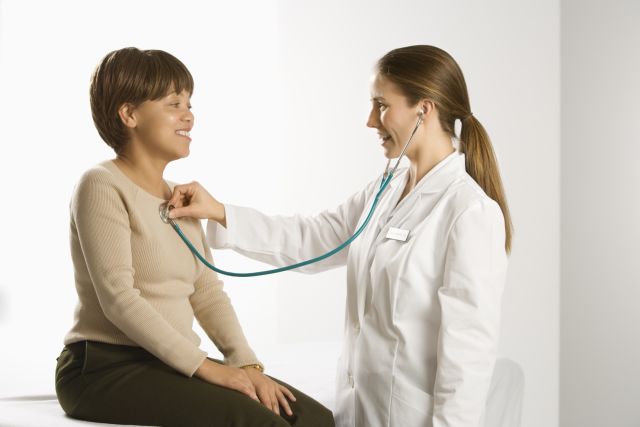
<point>386,178</point>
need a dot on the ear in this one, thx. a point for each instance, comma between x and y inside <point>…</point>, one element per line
<point>427,106</point>
<point>126,113</point>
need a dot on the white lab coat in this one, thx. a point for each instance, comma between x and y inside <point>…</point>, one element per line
<point>422,315</point>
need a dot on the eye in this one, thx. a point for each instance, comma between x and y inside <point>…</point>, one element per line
<point>381,106</point>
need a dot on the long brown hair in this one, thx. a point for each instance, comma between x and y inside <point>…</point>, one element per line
<point>427,72</point>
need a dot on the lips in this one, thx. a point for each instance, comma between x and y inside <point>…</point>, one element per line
<point>384,137</point>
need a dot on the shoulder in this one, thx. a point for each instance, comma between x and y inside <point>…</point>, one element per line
<point>469,199</point>
<point>100,181</point>
<point>98,173</point>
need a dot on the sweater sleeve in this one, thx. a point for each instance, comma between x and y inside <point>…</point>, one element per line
<point>215,314</point>
<point>104,233</point>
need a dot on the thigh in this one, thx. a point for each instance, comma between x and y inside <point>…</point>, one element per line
<point>307,411</point>
<point>129,386</point>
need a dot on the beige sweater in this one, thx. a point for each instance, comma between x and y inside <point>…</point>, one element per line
<point>137,282</point>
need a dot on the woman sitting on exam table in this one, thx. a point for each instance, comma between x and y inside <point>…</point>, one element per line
<point>425,278</point>
<point>131,356</point>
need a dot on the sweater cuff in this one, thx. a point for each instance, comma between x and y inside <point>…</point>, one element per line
<point>188,361</point>
<point>238,360</point>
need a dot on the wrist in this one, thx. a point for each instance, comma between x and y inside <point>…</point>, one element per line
<point>221,215</point>
<point>206,367</point>
<point>254,366</point>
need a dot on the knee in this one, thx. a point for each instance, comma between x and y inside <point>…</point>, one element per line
<point>325,418</point>
<point>315,416</point>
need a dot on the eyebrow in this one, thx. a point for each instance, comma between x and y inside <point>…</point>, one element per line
<point>378,98</point>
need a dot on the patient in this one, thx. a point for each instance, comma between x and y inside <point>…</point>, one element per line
<point>131,356</point>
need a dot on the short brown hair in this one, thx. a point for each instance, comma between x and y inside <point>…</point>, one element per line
<point>131,75</point>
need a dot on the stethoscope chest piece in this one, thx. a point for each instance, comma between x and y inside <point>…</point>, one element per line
<point>164,209</point>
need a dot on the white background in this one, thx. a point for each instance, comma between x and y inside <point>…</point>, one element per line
<point>281,99</point>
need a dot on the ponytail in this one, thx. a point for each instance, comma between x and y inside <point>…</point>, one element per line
<point>481,164</point>
<point>427,72</point>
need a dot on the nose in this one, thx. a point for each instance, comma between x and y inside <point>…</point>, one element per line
<point>374,118</point>
<point>188,116</point>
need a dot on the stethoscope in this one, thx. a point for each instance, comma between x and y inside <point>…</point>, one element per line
<point>164,209</point>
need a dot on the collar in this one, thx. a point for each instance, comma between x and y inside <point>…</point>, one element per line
<point>438,178</point>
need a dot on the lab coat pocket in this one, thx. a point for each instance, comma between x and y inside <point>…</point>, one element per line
<point>410,406</point>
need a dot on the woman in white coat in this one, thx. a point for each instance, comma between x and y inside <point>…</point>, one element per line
<point>425,278</point>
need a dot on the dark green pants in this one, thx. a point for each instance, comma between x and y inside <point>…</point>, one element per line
<point>127,385</point>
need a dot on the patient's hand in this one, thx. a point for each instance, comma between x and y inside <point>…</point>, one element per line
<point>270,392</point>
<point>226,376</point>
<point>194,201</point>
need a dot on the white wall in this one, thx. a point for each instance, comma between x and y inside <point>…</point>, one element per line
<point>600,336</point>
<point>281,101</point>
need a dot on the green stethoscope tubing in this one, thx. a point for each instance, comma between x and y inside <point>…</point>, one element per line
<point>386,178</point>
<point>184,238</point>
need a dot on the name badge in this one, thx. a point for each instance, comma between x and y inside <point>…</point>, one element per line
<point>397,234</point>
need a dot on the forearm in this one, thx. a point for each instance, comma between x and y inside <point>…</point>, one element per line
<point>218,319</point>
<point>281,240</point>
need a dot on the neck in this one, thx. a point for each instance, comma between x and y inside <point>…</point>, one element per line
<point>435,149</point>
<point>146,171</point>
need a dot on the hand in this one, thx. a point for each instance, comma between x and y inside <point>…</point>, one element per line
<point>226,376</point>
<point>194,201</point>
<point>270,392</point>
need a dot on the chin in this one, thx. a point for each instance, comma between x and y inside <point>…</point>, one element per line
<point>391,154</point>
<point>183,153</point>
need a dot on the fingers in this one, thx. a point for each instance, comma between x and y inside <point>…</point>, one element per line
<point>273,401</point>
<point>249,392</point>
<point>267,395</point>
<point>287,393</point>
<point>277,397</point>
<point>177,212</point>
<point>183,193</point>
<point>283,402</point>
<point>248,389</point>
<point>265,398</point>
<point>239,381</point>
<point>180,192</point>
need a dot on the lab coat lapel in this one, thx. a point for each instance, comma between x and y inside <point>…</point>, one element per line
<point>371,236</point>
<point>433,184</point>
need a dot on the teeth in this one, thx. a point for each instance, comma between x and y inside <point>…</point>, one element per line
<point>183,132</point>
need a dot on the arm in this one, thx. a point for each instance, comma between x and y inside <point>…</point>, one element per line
<point>102,224</point>
<point>280,240</point>
<point>470,300</point>
<point>218,319</point>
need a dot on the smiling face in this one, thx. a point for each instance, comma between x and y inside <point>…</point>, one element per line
<point>392,116</point>
<point>161,127</point>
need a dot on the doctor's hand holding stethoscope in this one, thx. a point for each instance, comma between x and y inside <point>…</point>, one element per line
<point>425,277</point>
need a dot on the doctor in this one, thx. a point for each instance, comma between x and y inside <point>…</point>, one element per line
<point>425,278</point>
